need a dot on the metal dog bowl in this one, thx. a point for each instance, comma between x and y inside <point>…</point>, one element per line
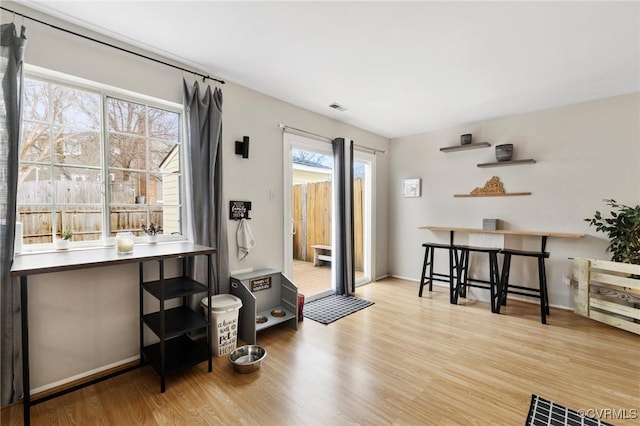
<point>248,358</point>
<point>261,319</point>
<point>278,313</point>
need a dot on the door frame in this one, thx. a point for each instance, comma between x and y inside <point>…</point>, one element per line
<point>291,141</point>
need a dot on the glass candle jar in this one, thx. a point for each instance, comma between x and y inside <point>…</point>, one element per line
<point>124,242</point>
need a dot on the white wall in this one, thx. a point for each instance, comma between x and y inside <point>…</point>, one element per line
<point>85,320</point>
<point>585,153</point>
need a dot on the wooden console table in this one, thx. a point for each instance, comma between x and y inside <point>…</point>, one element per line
<point>41,263</point>
<point>544,235</point>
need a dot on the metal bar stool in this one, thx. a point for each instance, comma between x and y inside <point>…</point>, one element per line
<point>493,285</point>
<point>540,292</point>
<point>428,276</point>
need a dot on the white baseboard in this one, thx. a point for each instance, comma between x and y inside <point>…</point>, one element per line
<point>83,375</point>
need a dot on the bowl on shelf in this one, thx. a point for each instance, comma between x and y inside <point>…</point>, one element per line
<point>504,152</point>
<point>278,313</point>
<point>248,358</point>
<point>261,319</point>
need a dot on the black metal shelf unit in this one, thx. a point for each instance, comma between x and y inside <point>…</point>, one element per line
<point>176,350</point>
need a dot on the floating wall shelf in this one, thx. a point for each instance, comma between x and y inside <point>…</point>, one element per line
<point>465,147</point>
<point>507,163</point>
<point>508,194</point>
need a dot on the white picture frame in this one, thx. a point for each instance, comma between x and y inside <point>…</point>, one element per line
<point>411,188</point>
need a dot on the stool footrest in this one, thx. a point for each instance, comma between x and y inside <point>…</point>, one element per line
<point>526,253</point>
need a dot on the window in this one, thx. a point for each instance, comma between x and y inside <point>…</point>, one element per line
<point>94,163</point>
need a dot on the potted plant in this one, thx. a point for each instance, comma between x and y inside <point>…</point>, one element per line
<point>63,244</point>
<point>623,230</point>
<point>152,232</point>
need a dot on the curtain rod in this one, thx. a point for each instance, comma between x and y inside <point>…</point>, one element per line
<point>286,127</point>
<point>204,77</point>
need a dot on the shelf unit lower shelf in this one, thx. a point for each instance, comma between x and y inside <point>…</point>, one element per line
<point>176,321</point>
<point>174,287</point>
<point>180,353</point>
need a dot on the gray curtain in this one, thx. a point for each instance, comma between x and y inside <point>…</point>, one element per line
<point>344,256</point>
<point>209,219</point>
<point>11,71</point>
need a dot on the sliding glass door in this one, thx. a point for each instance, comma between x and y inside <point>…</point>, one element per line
<point>308,207</point>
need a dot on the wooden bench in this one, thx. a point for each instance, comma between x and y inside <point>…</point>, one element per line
<point>321,253</point>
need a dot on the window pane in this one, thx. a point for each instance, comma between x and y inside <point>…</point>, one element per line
<point>75,108</point>
<point>154,192</point>
<point>34,184</point>
<point>127,152</point>
<point>128,218</point>
<point>75,185</point>
<point>126,117</point>
<point>36,224</point>
<point>163,124</point>
<point>169,219</point>
<point>165,156</point>
<point>35,100</point>
<point>72,147</point>
<point>156,217</point>
<point>84,221</point>
<point>35,143</point>
<point>125,186</point>
<point>164,189</point>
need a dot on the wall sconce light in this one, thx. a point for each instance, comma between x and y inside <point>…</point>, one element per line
<point>242,148</point>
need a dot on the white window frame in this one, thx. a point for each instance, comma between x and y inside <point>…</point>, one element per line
<point>105,91</point>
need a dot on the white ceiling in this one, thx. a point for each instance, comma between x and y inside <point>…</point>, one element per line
<point>400,68</point>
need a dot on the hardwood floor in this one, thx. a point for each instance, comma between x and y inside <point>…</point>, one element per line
<point>404,360</point>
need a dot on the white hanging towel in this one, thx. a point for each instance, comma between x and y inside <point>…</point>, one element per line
<point>245,239</point>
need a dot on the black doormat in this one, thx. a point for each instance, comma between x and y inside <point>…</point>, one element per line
<point>332,308</point>
<point>544,412</point>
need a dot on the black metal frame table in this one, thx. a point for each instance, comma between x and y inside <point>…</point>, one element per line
<point>46,262</point>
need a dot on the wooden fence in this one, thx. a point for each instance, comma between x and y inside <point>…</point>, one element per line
<point>312,219</point>
<point>86,223</point>
<point>608,292</point>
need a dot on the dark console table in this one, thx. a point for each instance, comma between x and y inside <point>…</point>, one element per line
<point>43,263</point>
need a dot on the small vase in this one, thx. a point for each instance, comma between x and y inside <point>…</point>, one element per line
<point>61,244</point>
<point>152,239</point>
<point>465,139</point>
<point>504,152</point>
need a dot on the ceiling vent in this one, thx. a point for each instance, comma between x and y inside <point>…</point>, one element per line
<point>337,106</point>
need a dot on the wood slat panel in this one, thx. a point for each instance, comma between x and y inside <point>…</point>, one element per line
<point>581,299</point>
<point>627,268</point>
<point>624,282</point>
<point>615,322</point>
<point>615,308</point>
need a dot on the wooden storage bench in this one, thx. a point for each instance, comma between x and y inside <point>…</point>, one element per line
<point>608,293</point>
<point>321,253</point>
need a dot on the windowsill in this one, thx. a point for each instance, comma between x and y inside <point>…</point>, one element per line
<point>49,248</point>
